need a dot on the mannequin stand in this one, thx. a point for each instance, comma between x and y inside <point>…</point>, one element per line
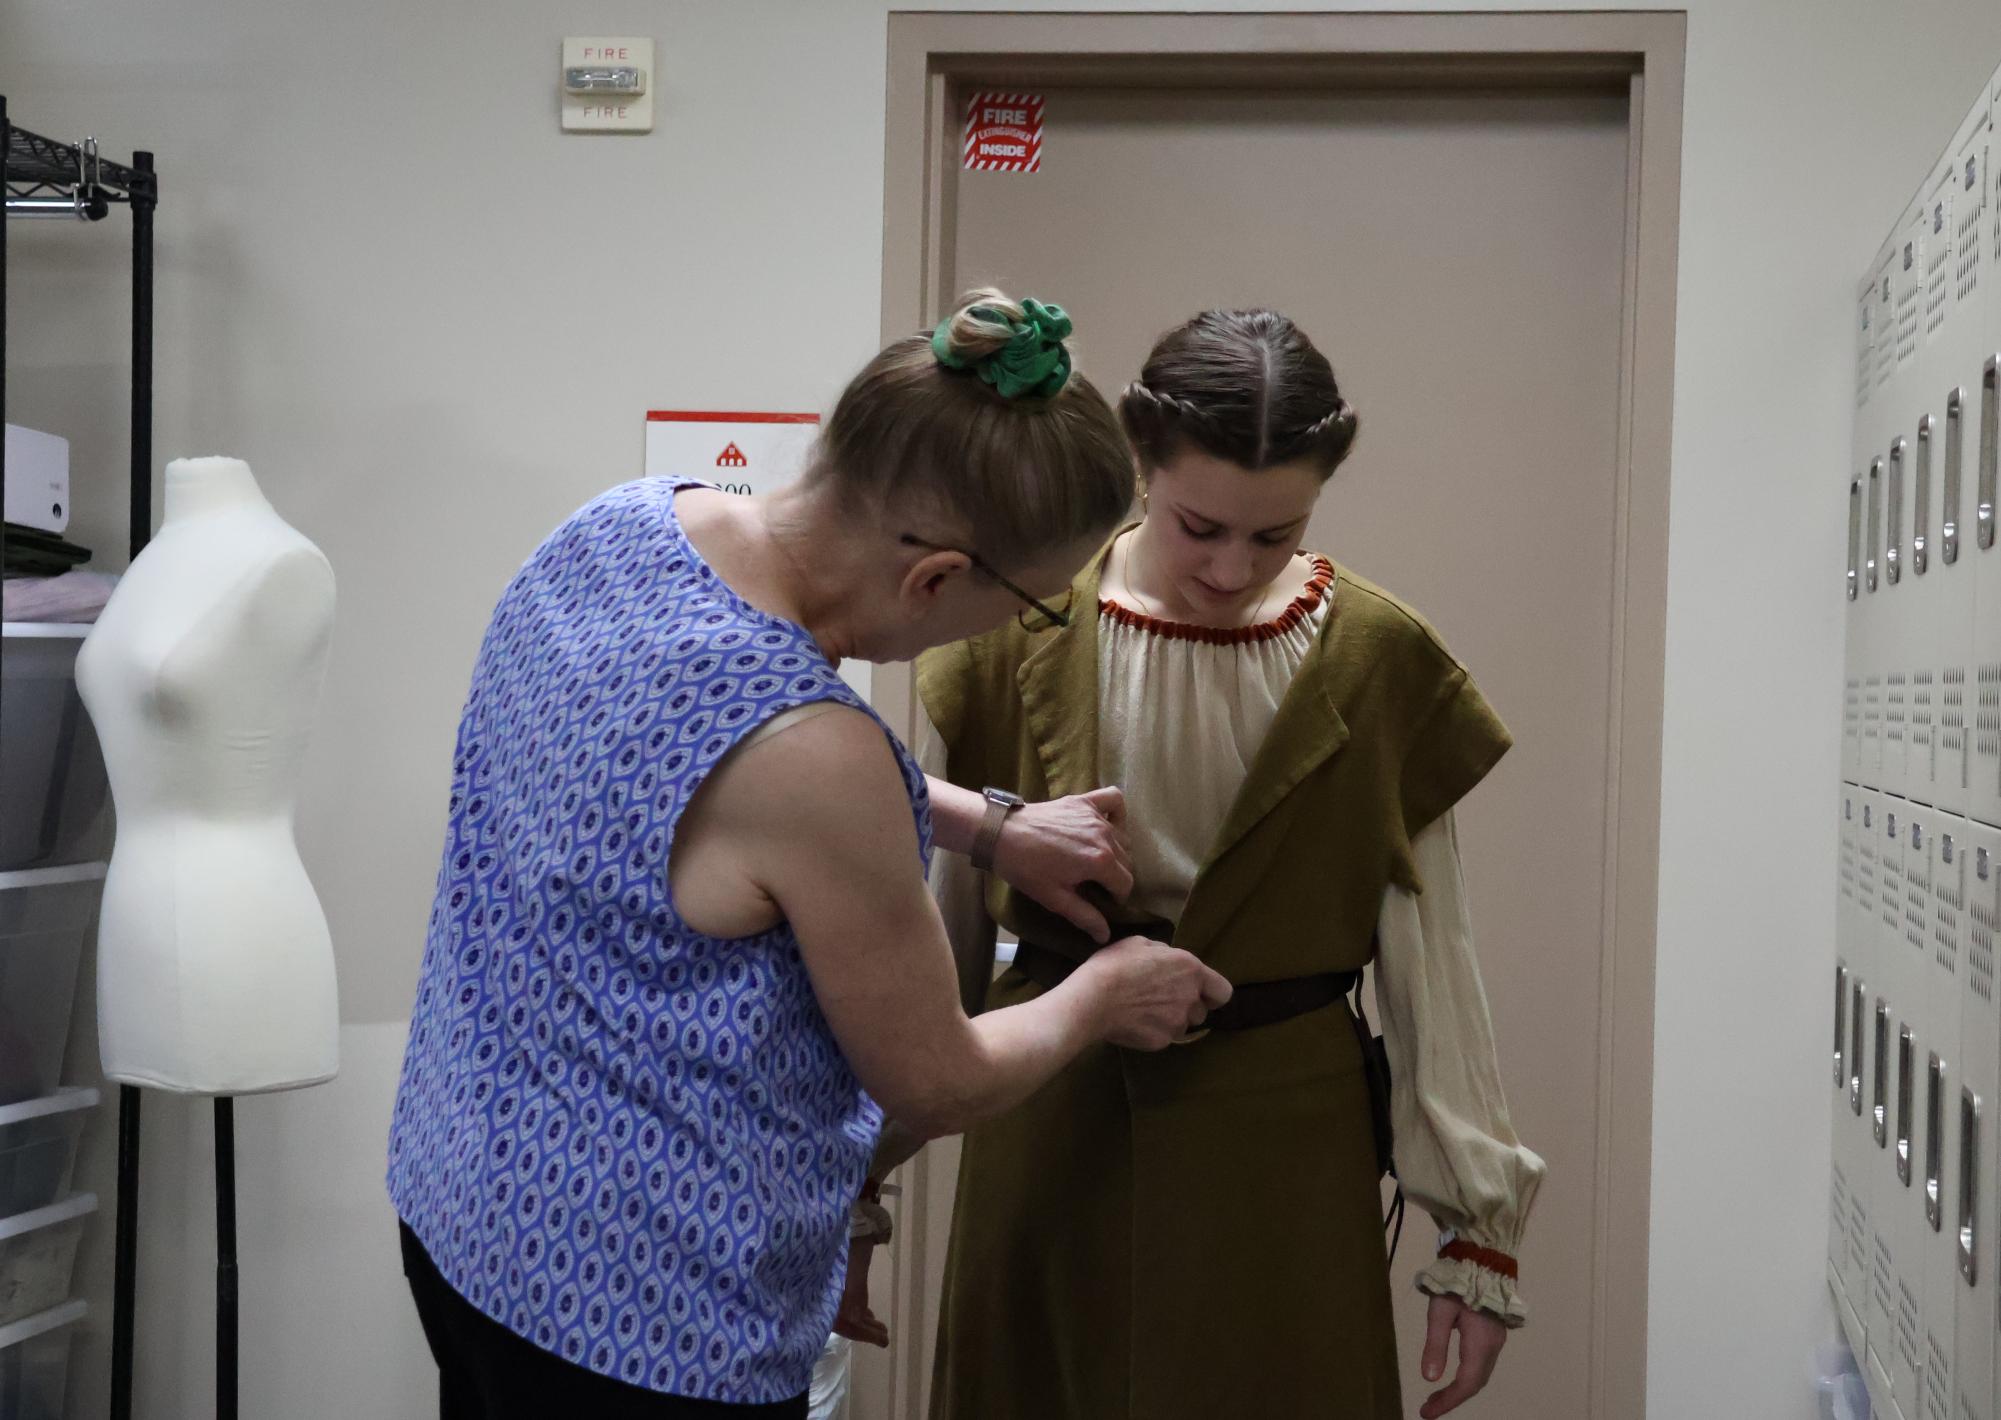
<point>225,1258</point>
<point>226,1276</point>
<point>125,1285</point>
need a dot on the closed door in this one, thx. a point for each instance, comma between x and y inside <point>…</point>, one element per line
<point>1459,257</point>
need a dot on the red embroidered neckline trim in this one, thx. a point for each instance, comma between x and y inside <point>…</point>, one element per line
<point>1485,1257</point>
<point>1303,606</point>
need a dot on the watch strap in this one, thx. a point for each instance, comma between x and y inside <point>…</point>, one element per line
<point>988,838</point>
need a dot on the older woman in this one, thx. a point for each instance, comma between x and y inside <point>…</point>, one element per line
<point>681,934</point>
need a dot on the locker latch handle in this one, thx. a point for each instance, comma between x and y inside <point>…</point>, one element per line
<point>1990,441</point>
<point>1893,550</point>
<point>1857,1014</point>
<point>1854,538</point>
<point>1906,1053</point>
<point>1935,1142</point>
<point>1969,1184</point>
<point>1955,462</point>
<point>1840,1025</point>
<point>1922,511</point>
<point>1879,1108</point>
<point>1872,552</point>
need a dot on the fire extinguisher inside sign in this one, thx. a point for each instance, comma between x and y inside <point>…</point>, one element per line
<point>1004,132</point>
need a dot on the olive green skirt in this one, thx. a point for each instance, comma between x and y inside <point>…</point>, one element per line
<point>1193,1233</point>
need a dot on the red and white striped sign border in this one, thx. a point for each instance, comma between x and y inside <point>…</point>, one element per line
<point>1004,132</point>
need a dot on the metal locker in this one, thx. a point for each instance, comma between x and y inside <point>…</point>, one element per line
<point>1864,1160</point>
<point>1980,1083</point>
<point>1939,1126</point>
<point>1915,1029</point>
<point>1898,976</point>
<point>1898,642</point>
<point>1981,366</point>
<point>1857,600</point>
<point>1850,916</point>
<point>1895,977</point>
<point>1927,623</point>
<point>1955,390</point>
<point>1875,425</point>
<point>1984,770</point>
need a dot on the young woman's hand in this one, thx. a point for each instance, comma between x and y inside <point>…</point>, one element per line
<point>1051,850</point>
<point>1480,1341</point>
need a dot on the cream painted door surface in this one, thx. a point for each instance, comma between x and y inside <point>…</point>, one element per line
<point>1458,255</point>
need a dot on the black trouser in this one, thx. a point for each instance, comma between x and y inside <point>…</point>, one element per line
<point>486,1372</point>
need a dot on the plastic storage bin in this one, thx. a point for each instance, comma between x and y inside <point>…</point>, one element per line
<point>54,798</point>
<point>37,1251</point>
<point>38,1149</point>
<point>34,1362</point>
<point>43,926</point>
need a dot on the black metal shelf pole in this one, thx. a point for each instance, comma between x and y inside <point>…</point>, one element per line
<point>125,1286</point>
<point>46,179</point>
<point>145,196</point>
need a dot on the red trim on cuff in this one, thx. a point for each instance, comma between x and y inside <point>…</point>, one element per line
<point>1485,1257</point>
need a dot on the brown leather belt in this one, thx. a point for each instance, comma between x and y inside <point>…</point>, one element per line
<point>1253,1004</point>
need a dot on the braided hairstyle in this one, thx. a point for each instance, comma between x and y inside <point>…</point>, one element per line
<point>1246,386</point>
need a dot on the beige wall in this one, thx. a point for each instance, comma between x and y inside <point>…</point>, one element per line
<point>375,251</point>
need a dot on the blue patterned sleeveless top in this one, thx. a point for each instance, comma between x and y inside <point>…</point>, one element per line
<point>630,1143</point>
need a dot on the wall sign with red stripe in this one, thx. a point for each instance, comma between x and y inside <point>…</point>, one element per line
<point>743,451</point>
<point>1004,132</point>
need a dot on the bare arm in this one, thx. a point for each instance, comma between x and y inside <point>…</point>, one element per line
<point>816,819</point>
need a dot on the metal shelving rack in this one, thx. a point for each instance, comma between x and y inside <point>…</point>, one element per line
<point>43,178</point>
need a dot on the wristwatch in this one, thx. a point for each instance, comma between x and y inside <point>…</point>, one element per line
<point>1000,803</point>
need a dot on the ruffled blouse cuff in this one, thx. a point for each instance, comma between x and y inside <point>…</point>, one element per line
<point>1480,1278</point>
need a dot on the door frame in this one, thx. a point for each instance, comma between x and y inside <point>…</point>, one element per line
<point>932,54</point>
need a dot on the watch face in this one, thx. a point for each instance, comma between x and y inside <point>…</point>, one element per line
<point>1005,799</point>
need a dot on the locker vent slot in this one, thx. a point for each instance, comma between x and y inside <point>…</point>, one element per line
<point>1907,1325</point>
<point>1980,958</point>
<point>1969,238</point>
<point>1938,1378</point>
<point>1987,712</point>
<point>1952,715</point>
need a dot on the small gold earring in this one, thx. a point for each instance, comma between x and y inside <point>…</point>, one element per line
<point>1143,494</point>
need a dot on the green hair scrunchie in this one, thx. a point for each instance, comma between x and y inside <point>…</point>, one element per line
<point>1035,362</point>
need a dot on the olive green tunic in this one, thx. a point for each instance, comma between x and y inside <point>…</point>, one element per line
<point>1197,1232</point>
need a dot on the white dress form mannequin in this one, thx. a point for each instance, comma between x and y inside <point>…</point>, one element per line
<point>215,967</point>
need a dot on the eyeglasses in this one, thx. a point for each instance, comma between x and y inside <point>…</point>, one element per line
<point>1046,616</point>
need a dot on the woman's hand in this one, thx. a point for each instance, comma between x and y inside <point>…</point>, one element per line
<point>1149,995</point>
<point>1480,1341</point>
<point>1051,850</point>
<point>854,1320</point>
